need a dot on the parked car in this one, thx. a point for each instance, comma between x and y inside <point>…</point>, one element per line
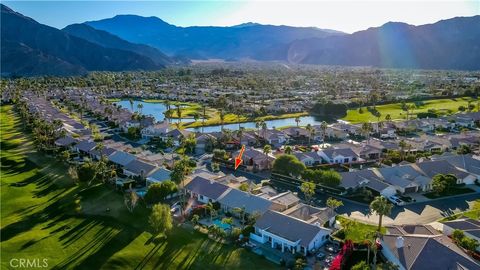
<point>396,200</point>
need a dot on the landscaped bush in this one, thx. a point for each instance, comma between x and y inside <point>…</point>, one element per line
<point>247,230</point>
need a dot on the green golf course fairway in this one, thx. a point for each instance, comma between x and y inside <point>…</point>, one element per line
<point>46,216</point>
<point>443,106</point>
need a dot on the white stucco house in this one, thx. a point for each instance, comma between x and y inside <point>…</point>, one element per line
<point>338,156</point>
<point>289,234</point>
<point>157,130</point>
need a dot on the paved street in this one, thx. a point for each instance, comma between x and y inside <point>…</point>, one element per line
<point>420,213</point>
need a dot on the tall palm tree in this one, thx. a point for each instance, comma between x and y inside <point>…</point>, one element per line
<point>297,120</point>
<point>131,103</point>
<point>402,144</point>
<point>222,117</point>
<point>309,129</point>
<point>140,107</point>
<point>267,149</point>
<point>381,207</point>
<point>204,108</point>
<point>367,129</point>
<point>323,127</point>
<point>240,132</point>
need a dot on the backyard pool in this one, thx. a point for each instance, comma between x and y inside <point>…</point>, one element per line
<point>219,223</point>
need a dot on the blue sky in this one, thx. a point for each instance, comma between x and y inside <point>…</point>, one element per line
<point>344,15</point>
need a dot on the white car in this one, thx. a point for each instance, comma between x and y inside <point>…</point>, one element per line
<point>395,200</point>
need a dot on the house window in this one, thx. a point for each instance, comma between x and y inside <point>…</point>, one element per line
<point>345,160</point>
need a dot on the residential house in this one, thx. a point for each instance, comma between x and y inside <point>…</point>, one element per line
<point>404,178</point>
<point>157,130</point>
<point>365,150</point>
<point>105,152</point>
<point>249,203</point>
<point>84,147</point>
<point>432,168</point>
<point>297,133</point>
<point>121,158</point>
<point>138,168</point>
<point>388,132</point>
<point>284,200</point>
<point>273,137</point>
<point>463,121</point>
<point>366,179</point>
<point>288,233</point>
<point>65,142</point>
<point>312,215</point>
<point>348,128</point>
<point>131,123</point>
<point>158,176</point>
<point>463,162</point>
<point>308,158</point>
<point>470,228</point>
<point>255,159</point>
<point>205,142</point>
<point>177,135</point>
<point>248,139</point>
<point>205,190</point>
<point>469,139</point>
<point>418,248</point>
<point>338,156</point>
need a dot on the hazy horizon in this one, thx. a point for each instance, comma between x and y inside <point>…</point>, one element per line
<point>359,15</point>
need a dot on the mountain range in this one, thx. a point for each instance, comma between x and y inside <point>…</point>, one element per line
<point>130,42</point>
<point>29,48</point>
<point>245,41</point>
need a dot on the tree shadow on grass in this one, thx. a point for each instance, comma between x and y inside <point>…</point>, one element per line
<point>110,239</point>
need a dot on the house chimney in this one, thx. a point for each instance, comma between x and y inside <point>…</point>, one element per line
<point>399,242</point>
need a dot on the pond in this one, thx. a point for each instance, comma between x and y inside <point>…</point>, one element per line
<point>157,109</point>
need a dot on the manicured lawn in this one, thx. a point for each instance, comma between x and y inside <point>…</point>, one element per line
<point>451,192</point>
<point>45,215</point>
<point>356,231</point>
<point>443,106</point>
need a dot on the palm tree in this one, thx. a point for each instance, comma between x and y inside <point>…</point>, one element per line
<point>258,125</point>
<point>381,207</point>
<point>309,129</point>
<point>140,107</point>
<point>402,144</point>
<point>241,212</point>
<point>297,120</point>
<point>240,132</point>
<point>366,129</point>
<point>323,127</point>
<point>222,117</point>
<point>264,127</point>
<point>288,150</point>
<point>131,103</point>
<point>209,207</point>
<point>267,149</point>
<point>168,114</point>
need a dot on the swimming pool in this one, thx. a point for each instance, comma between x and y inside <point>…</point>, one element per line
<point>219,223</point>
